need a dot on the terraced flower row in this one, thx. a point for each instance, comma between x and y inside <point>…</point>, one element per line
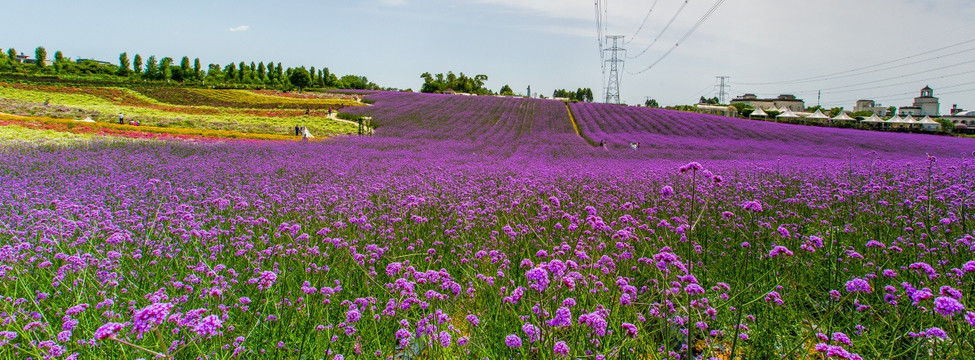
<point>242,99</point>
<point>128,131</point>
<point>485,228</point>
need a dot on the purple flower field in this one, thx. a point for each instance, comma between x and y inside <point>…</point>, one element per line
<point>485,227</point>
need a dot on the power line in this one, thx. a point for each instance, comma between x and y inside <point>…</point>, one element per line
<point>686,35</point>
<point>888,85</point>
<point>898,96</point>
<point>615,62</point>
<point>679,10</point>
<point>644,22</point>
<point>821,77</point>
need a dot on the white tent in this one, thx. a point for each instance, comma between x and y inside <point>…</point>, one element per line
<point>783,109</point>
<point>758,112</point>
<point>818,115</point>
<point>874,119</point>
<point>895,120</point>
<point>787,114</point>
<point>929,124</point>
<point>842,117</point>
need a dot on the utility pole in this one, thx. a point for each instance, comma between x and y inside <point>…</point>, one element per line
<point>722,86</point>
<point>615,62</point>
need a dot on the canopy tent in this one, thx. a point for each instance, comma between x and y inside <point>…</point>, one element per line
<point>787,114</point>
<point>895,120</point>
<point>758,112</point>
<point>874,119</point>
<point>928,123</point>
<point>784,109</point>
<point>910,120</point>
<point>818,115</point>
<point>842,117</point>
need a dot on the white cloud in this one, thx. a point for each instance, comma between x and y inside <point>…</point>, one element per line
<point>239,28</point>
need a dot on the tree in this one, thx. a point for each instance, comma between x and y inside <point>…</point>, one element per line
<point>41,54</point>
<point>184,68</point>
<point>241,68</point>
<point>231,71</point>
<point>651,103</point>
<point>166,68</point>
<point>270,71</point>
<point>892,110</point>
<point>262,71</point>
<point>12,54</point>
<point>311,72</point>
<point>123,64</point>
<point>300,78</point>
<point>196,69</point>
<point>152,68</point>
<point>506,90</point>
<point>137,64</point>
<point>58,61</point>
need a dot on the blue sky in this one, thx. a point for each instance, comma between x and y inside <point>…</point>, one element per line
<point>543,43</point>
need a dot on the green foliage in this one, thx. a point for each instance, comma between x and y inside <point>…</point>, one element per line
<point>947,126</point>
<point>12,53</point>
<point>743,109</point>
<point>355,82</point>
<point>651,103</point>
<point>152,68</point>
<point>41,55</point>
<point>458,83</point>
<point>299,78</point>
<point>123,64</point>
<point>578,95</point>
<point>861,114</point>
<point>711,101</point>
<point>506,90</point>
<point>137,64</point>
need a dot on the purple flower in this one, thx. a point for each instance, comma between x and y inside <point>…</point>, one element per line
<point>471,318</point>
<point>393,268</point>
<point>155,314</point>
<point>352,316</point>
<point>694,289</point>
<point>512,341</point>
<point>969,266</point>
<point>561,349</point>
<point>858,285</point>
<point>841,337</point>
<point>266,279</point>
<point>532,331</point>
<point>75,310</point>
<point>753,206</point>
<point>538,277</point>
<point>562,318</point>
<point>948,307</point>
<point>208,326</point>
<point>666,191</point>
<point>970,318</point>
<point>444,338</point>
<point>630,329</point>
<point>108,330</point>
<point>936,332</point>
<point>779,250</point>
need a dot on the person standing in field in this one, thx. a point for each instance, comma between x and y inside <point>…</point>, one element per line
<point>121,119</point>
<point>297,130</point>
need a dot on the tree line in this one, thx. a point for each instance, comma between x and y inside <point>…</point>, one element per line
<point>461,83</point>
<point>584,95</point>
<point>260,74</point>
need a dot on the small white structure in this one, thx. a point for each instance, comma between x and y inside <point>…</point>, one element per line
<point>787,114</point>
<point>928,124</point>
<point>818,115</point>
<point>842,117</point>
<point>759,113</point>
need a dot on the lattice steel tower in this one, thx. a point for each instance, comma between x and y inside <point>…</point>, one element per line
<point>615,61</point>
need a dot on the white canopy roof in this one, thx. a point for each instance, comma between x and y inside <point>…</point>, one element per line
<point>788,114</point>
<point>895,120</point>
<point>784,109</point>
<point>843,117</point>
<point>909,120</point>
<point>874,119</point>
<point>927,121</point>
<point>817,115</point>
<point>759,112</point>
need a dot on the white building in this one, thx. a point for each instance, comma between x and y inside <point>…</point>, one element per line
<point>924,105</point>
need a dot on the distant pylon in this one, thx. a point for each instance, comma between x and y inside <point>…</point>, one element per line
<point>722,85</point>
<point>615,61</point>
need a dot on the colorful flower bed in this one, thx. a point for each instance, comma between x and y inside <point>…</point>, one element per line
<point>256,99</point>
<point>475,227</point>
<point>102,128</point>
